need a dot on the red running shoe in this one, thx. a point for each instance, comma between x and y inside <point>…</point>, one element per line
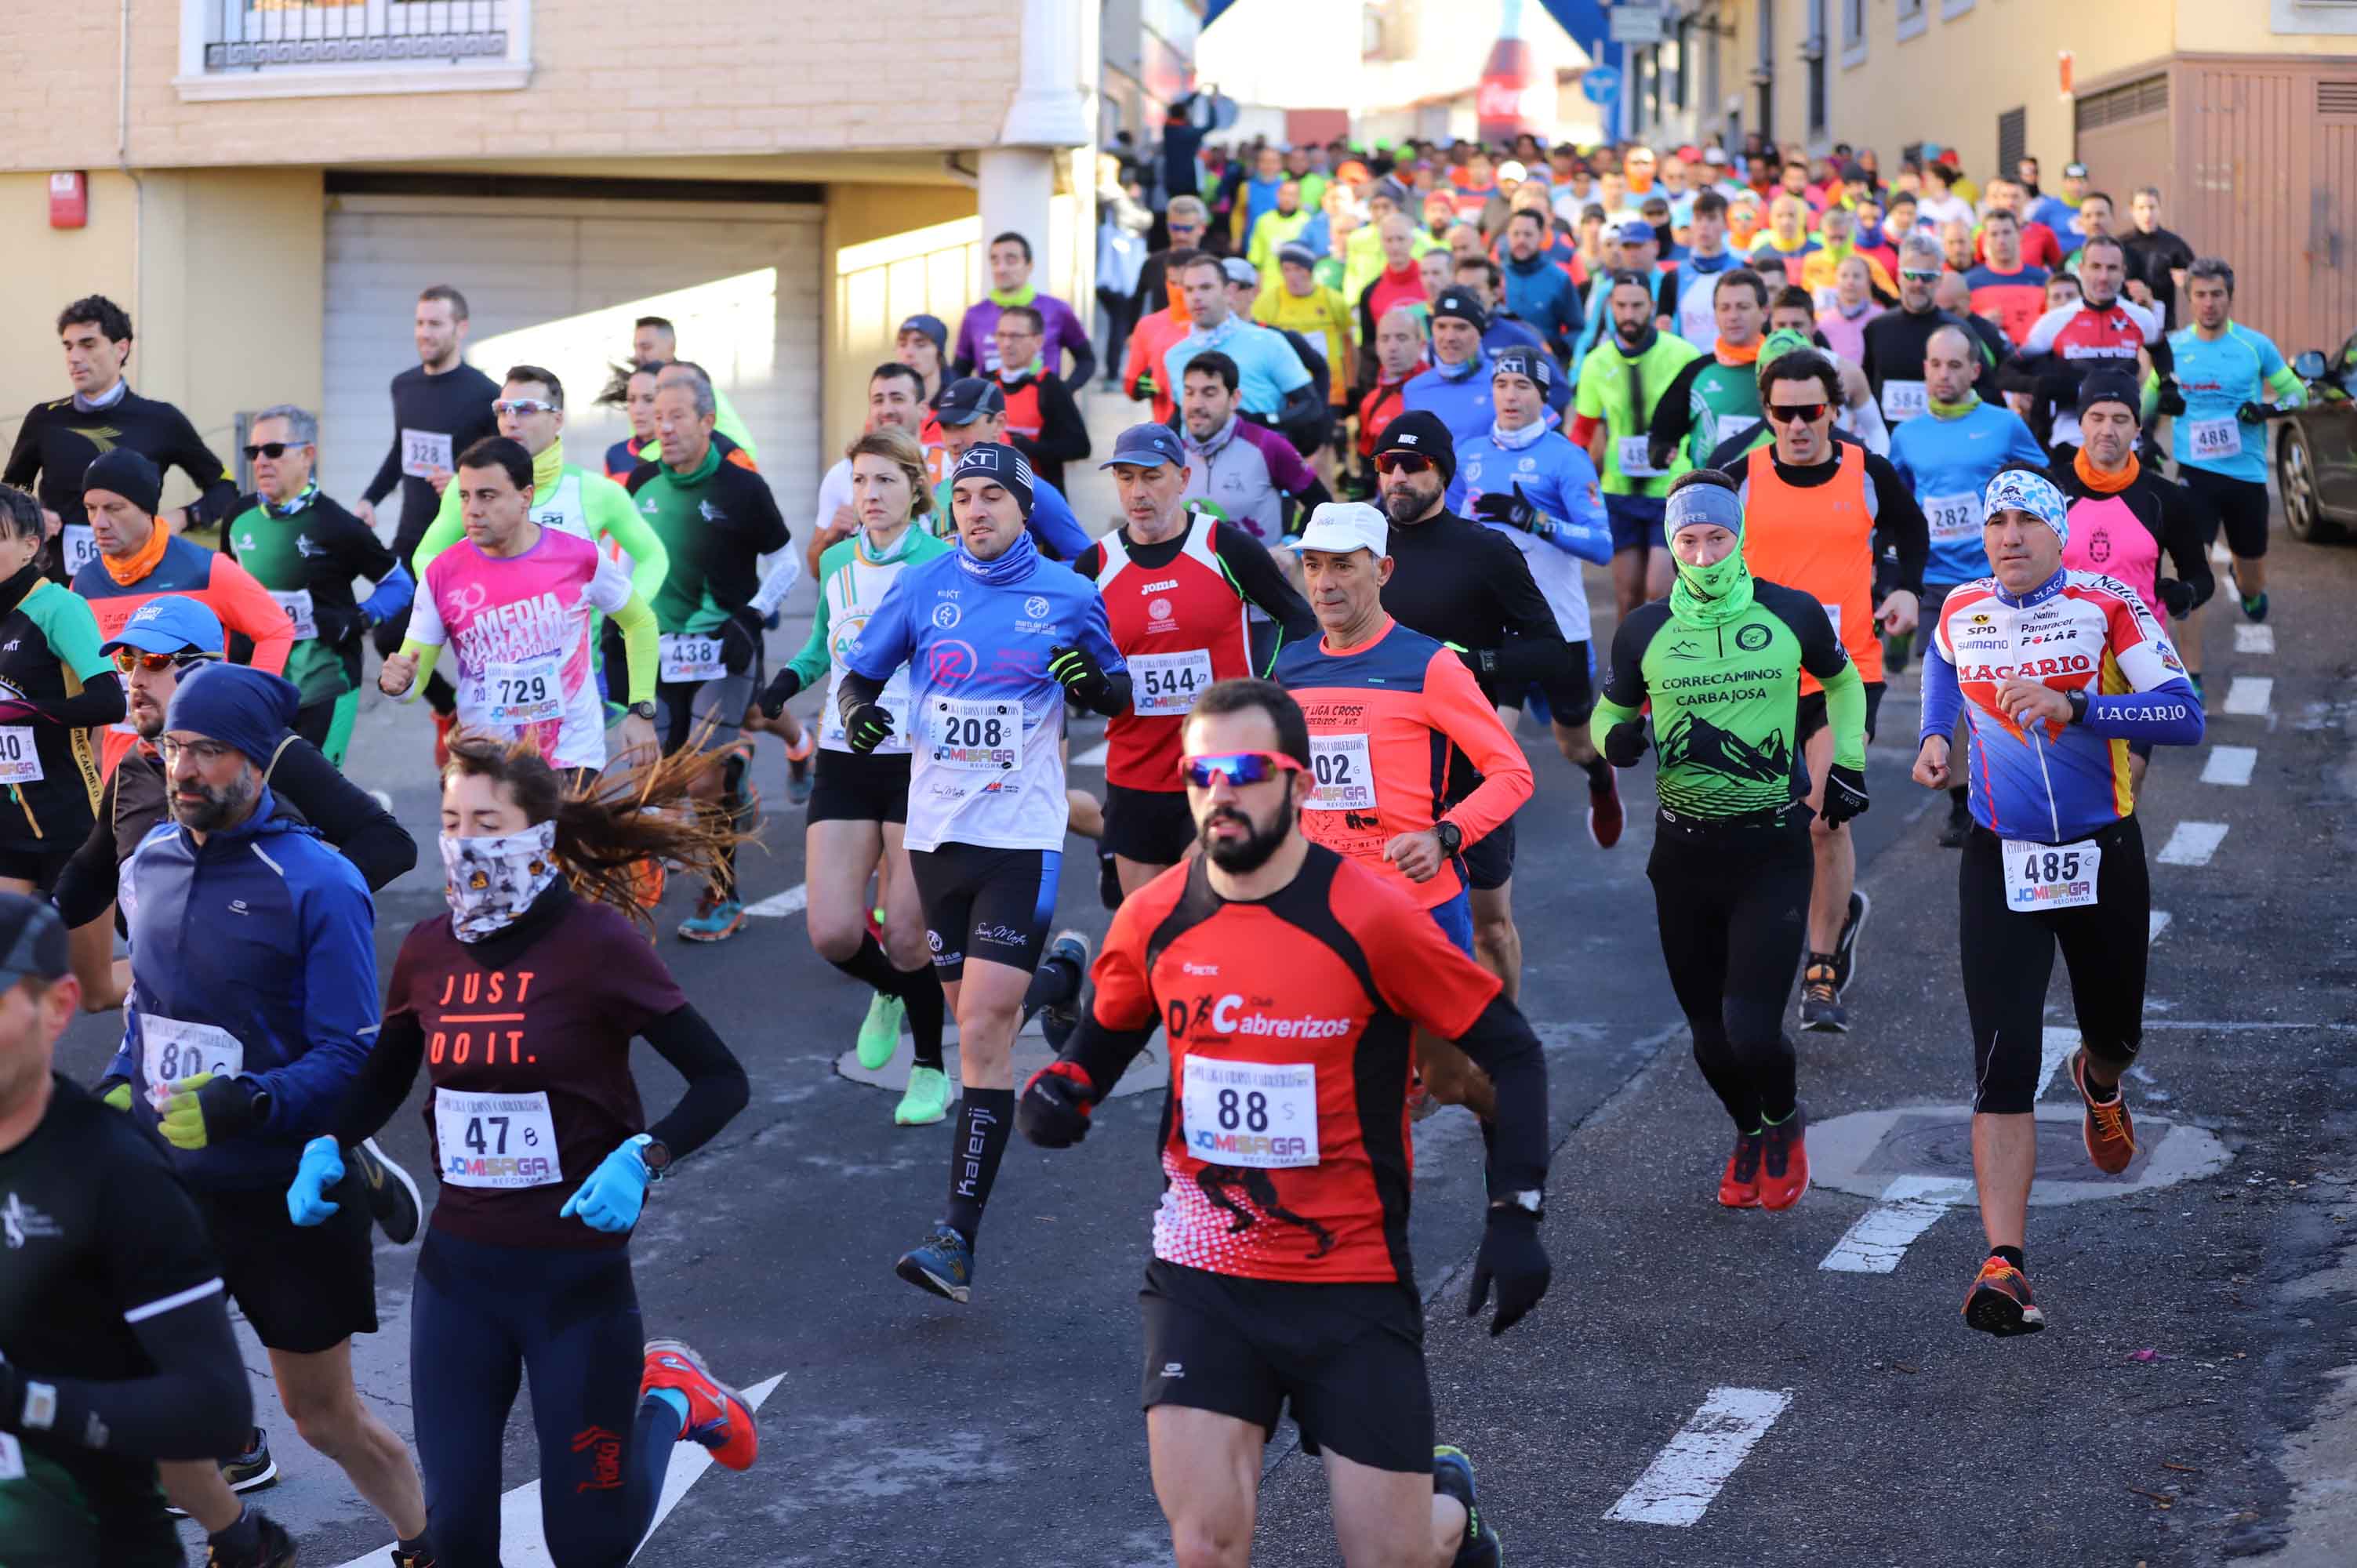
<point>1740,1186</point>
<point>1605,817</point>
<point>1999,1301</point>
<point>2107,1130</point>
<point>1784,1162</point>
<point>717,1417</point>
<point>443,725</point>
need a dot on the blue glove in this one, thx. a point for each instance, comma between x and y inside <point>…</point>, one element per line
<point>611,1198</point>
<point>322,1167</point>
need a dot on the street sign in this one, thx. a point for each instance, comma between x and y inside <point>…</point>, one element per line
<point>1599,84</point>
<point>1634,22</point>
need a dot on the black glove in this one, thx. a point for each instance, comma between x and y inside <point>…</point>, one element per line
<point>2175,597</point>
<point>781,690</point>
<point>1054,1110</point>
<point>867,727</point>
<point>1482,661</point>
<point>1512,1258</point>
<point>337,625</point>
<point>740,643</point>
<point>1844,795</point>
<point>1515,510</point>
<point>1078,673</point>
<point>2252,413</point>
<point>2172,397</point>
<point>1658,454</point>
<point>1625,743</point>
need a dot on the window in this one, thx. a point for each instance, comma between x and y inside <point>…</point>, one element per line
<point>1853,32</point>
<point>267,48</point>
<point>2012,140</point>
<point>1813,50</point>
<point>1913,18</point>
<point>1950,9</point>
<point>1680,63</point>
<point>2147,96</point>
<point>2313,16</point>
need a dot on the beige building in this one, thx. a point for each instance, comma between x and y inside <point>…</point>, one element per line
<point>269,183</point>
<point>2243,111</point>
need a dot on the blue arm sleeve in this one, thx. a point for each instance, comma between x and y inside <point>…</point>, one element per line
<point>340,1010</point>
<point>1944,700</point>
<point>2168,715</point>
<point>1580,527</point>
<point>1053,526</point>
<point>392,596</point>
<point>1096,636</point>
<point>887,639</point>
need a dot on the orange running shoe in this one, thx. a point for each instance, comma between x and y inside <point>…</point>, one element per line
<point>2106,1128</point>
<point>1999,1301</point>
<point>1784,1162</point>
<point>717,1416</point>
<point>1740,1186</point>
<point>443,725</point>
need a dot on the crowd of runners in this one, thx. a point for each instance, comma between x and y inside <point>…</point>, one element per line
<point>1813,423</point>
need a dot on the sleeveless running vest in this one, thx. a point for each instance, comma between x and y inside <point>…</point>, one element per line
<point>1180,627</point>
<point>1820,541</point>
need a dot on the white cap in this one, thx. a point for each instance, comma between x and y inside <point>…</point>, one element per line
<point>1344,526</point>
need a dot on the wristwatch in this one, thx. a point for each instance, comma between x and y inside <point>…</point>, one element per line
<point>656,1155</point>
<point>2077,697</point>
<point>643,711</point>
<point>1534,1201</point>
<point>1451,837</point>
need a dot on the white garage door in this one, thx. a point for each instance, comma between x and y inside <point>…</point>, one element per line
<point>557,284</point>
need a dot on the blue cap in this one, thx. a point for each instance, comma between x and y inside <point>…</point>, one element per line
<point>1636,231</point>
<point>965,401</point>
<point>170,623</point>
<point>932,327</point>
<point>1147,445</point>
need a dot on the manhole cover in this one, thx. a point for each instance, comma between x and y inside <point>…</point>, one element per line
<point>1940,1142</point>
<point>1865,1151</point>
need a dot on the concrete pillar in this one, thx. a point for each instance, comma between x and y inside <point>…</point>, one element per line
<point>1050,116</point>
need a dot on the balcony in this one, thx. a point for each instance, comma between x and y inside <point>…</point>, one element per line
<point>310,48</point>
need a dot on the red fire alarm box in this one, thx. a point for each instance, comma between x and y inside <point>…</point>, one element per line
<point>68,200</point>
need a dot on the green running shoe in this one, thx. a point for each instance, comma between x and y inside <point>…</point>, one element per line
<point>879,1032</point>
<point>927,1099</point>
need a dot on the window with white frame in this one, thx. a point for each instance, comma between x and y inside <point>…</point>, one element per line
<point>1853,31</point>
<point>277,49</point>
<point>1913,18</point>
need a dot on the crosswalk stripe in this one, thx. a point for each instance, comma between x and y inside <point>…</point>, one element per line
<point>2193,843</point>
<point>2230,765</point>
<point>2249,638</point>
<point>1911,1205</point>
<point>2156,921</point>
<point>2249,697</point>
<point>1680,1484</point>
<point>779,906</point>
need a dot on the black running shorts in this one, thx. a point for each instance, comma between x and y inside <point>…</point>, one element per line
<point>1153,827</point>
<point>304,1288</point>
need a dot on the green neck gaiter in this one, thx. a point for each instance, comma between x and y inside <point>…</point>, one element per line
<point>1006,297</point>
<point>1710,596</point>
<point>1953,410</point>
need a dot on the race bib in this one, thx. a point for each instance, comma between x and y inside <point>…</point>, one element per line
<point>1344,768</point>
<point>689,657</point>
<point>1162,684</point>
<point>1263,1115</point>
<point>297,606</point>
<point>1636,462</point>
<point>2039,876</point>
<point>20,760</point>
<point>523,691</point>
<point>79,545</point>
<point>500,1141</point>
<point>1903,400</point>
<point>171,1050</point>
<point>1955,518</point>
<point>975,734</point>
<point>425,452</point>
<point>2212,439</point>
<point>12,1459</point>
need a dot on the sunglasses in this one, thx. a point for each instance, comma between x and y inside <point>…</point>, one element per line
<point>1932,277</point>
<point>273,450</point>
<point>1238,768</point>
<point>1400,463</point>
<point>127,659</point>
<point>522,405</point>
<point>1797,413</point>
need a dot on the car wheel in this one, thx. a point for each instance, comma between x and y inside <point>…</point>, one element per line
<point>2296,478</point>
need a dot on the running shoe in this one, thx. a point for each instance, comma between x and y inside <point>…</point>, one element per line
<point>1784,1160</point>
<point>1452,1476</point>
<point>443,725</point>
<point>1820,1004</point>
<point>1999,1301</point>
<point>1739,1187</point>
<point>879,1032</point>
<point>2107,1129</point>
<point>273,1548</point>
<point>801,777</point>
<point>926,1099</point>
<point>2194,678</point>
<point>421,1558</point>
<point>248,1472</point>
<point>717,1416</point>
<point>1059,1018</point>
<point>2254,606</point>
<point>1108,881</point>
<point>391,1196</point>
<point>943,1264</point>
<point>1845,945</point>
<point>716,919</point>
<point>1960,825</point>
<point>1605,817</point>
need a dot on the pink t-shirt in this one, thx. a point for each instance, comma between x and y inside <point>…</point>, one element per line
<point>519,624</point>
<point>2107,538</point>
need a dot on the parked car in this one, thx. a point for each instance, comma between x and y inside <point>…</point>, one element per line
<point>2316,453</point>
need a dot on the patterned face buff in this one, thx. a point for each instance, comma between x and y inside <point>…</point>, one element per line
<point>491,881</point>
<point>2032,493</point>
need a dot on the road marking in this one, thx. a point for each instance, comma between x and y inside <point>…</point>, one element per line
<point>2249,697</point>
<point>1683,1477</point>
<point>1911,1206</point>
<point>2230,765</point>
<point>521,1545</point>
<point>1094,756</point>
<point>2053,1052</point>
<point>2193,843</point>
<point>2249,638</point>
<point>779,906</point>
<point>2154,922</point>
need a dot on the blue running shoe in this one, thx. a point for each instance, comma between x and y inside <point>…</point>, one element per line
<point>716,919</point>
<point>1452,1475</point>
<point>943,1265</point>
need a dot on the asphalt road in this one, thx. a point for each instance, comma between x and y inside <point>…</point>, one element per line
<point>1883,1431</point>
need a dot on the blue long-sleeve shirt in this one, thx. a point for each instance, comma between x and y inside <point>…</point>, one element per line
<point>1555,476</point>
<point>1947,464</point>
<point>1542,293</point>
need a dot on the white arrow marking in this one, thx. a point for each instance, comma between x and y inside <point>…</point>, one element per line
<point>2154,922</point>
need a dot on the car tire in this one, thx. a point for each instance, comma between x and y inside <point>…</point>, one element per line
<point>2295,478</point>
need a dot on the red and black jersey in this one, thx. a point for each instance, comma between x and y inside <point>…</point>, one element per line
<point>1181,626</point>
<point>1284,1143</point>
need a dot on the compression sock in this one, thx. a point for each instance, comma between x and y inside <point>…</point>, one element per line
<point>2013,1255</point>
<point>870,967</point>
<point>1053,984</point>
<point>921,989</point>
<point>985,1117</point>
<point>242,1538</point>
<point>415,1546</point>
<point>2099,1093</point>
<point>674,1401</point>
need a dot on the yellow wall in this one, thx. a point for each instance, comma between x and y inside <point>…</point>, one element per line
<point>2224,26</point>
<point>894,251</point>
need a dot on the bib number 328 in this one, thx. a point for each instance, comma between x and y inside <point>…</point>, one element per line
<point>2041,877</point>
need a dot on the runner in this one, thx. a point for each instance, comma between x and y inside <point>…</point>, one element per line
<point>1537,291</point>
<point>545,1156</point>
<point>1043,423</point>
<point>2225,376</point>
<point>1063,332</point>
<point>716,520</point>
<point>986,805</point>
<point>1621,386</point>
<point>635,394</point>
<point>973,412</point>
<point>1179,585</point>
<point>2160,258</point>
<point>1399,357</point>
<point>1273,1262</point>
<point>1896,340</point>
<point>2005,289</point>
<point>859,806</point>
<point>1456,389</point>
<point>1713,394</point>
<point>115,1348</point>
<point>1719,662</point>
<point>1817,515</point>
<point>1696,319</point>
<point>1246,471</point>
<point>2056,855</point>
<point>305,550</point>
<point>252,1007</point>
<point>1273,384</point>
<point>2102,331</point>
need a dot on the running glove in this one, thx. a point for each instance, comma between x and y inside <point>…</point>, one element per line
<point>2252,413</point>
<point>207,1109</point>
<point>1515,510</point>
<point>115,1090</point>
<point>740,644</point>
<point>1054,1110</point>
<point>322,1167</point>
<point>781,690</point>
<point>1512,1259</point>
<point>2175,597</point>
<point>1077,671</point>
<point>610,1200</point>
<point>1844,795</point>
<point>2171,401</point>
<point>867,727</point>
<point>1624,743</point>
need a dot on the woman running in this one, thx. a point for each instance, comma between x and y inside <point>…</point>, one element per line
<point>521,1001</point>
<point>1720,660</point>
<point>860,806</point>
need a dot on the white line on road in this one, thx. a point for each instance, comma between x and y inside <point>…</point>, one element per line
<point>2230,765</point>
<point>779,906</point>
<point>1683,1477</point>
<point>522,1544</point>
<point>1911,1206</point>
<point>2251,639</point>
<point>2154,922</point>
<point>2249,697</point>
<point>1094,756</point>
<point>2193,843</point>
<point>2053,1052</point>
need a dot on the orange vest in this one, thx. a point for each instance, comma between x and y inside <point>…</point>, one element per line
<point>1821,541</point>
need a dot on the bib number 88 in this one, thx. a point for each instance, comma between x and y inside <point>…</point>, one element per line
<point>1249,1112</point>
